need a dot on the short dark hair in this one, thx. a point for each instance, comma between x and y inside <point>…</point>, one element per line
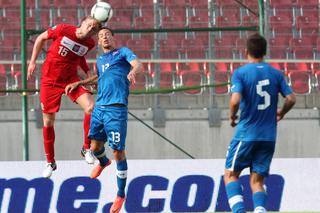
<point>107,28</point>
<point>257,46</point>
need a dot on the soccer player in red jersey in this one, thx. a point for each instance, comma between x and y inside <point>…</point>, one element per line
<point>70,45</point>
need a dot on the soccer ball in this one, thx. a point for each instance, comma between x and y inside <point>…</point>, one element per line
<point>102,11</point>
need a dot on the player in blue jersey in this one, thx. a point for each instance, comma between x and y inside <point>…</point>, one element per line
<point>255,89</point>
<point>117,67</point>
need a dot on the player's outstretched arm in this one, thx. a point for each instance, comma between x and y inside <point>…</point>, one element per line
<point>290,101</point>
<point>234,107</point>
<point>38,44</point>
<point>136,68</point>
<point>88,81</point>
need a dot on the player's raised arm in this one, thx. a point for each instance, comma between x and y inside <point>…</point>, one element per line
<point>289,102</point>
<point>88,81</point>
<point>36,51</point>
<point>136,68</point>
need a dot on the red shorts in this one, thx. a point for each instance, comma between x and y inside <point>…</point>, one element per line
<point>51,93</point>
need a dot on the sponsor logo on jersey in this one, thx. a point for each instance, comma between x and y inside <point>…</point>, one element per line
<point>74,47</point>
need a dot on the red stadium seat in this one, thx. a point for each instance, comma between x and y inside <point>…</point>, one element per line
<point>120,22</point>
<point>3,80</point>
<point>143,3</point>
<point>303,48</point>
<point>169,48</point>
<point>146,10</point>
<point>249,21</point>
<point>252,4</point>
<point>87,3</point>
<point>221,75</point>
<point>281,24</point>
<point>193,48</point>
<point>177,3</point>
<point>69,3</point>
<point>222,3</point>
<point>44,3</point>
<point>44,18</point>
<point>141,22</point>
<point>176,11</point>
<point>224,47</point>
<point>307,25</point>
<point>241,45</point>
<point>309,3</point>
<point>199,21</point>
<point>190,74</point>
<point>299,75</point>
<point>68,11</point>
<point>121,39</point>
<point>164,74</point>
<point>279,47</point>
<point>141,47</point>
<point>30,23</point>
<point>282,3</point>
<point>173,22</point>
<point>228,21</point>
<point>65,19</point>
<point>199,3</point>
<point>10,23</point>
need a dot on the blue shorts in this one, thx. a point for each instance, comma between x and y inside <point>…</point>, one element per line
<point>256,155</point>
<point>109,123</point>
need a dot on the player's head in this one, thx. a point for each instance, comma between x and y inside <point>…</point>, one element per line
<point>256,46</point>
<point>106,39</point>
<point>88,27</point>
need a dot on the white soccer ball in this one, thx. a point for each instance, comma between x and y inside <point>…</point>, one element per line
<point>102,11</point>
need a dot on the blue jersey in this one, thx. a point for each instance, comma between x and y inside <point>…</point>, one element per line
<point>259,85</point>
<point>113,84</point>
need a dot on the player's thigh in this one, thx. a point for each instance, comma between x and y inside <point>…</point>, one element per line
<point>238,155</point>
<point>50,97</point>
<point>78,92</point>
<point>262,157</point>
<point>85,100</point>
<point>116,127</point>
<point>97,130</point>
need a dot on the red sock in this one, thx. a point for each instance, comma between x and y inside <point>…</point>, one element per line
<point>86,127</point>
<point>48,141</point>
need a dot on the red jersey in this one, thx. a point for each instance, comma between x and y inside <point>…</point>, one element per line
<point>65,54</point>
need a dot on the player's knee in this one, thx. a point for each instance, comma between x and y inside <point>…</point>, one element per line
<point>96,146</point>
<point>47,121</point>
<point>89,108</point>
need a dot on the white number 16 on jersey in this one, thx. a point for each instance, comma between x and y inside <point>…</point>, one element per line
<point>263,94</point>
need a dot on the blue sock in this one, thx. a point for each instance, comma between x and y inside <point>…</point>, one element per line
<point>259,200</point>
<point>122,168</point>
<point>235,198</point>
<point>101,156</point>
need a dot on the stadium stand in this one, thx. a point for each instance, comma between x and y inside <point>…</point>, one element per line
<point>293,27</point>
<point>190,74</point>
